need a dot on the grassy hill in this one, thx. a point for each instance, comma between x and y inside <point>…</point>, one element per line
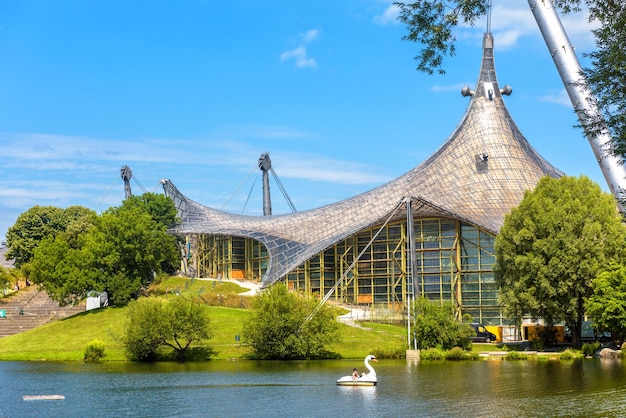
<point>66,339</point>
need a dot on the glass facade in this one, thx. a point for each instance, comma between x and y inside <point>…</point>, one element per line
<point>454,262</point>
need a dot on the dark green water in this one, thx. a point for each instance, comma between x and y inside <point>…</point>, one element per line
<point>494,388</point>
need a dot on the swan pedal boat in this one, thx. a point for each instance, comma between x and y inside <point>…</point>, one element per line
<point>365,379</point>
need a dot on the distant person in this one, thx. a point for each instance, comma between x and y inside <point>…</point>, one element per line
<point>355,375</point>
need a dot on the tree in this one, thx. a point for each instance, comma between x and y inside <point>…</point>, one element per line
<point>38,223</point>
<point>432,22</point>
<point>276,329</point>
<point>119,252</point>
<point>551,247</point>
<point>63,271</point>
<point>160,207</point>
<point>436,326</point>
<point>128,249</point>
<point>607,304</point>
<point>154,324</point>
<point>8,276</point>
<point>606,78</point>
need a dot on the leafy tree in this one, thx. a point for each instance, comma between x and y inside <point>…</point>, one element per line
<point>276,329</point>
<point>154,324</point>
<point>432,22</point>
<point>607,304</point>
<point>142,336</point>
<point>606,77</point>
<point>64,272</point>
<point>436,326</point>
<point>551,247</point>
<point>36,224</point>
<point>159,206</point>
<point>7,277</point>
<point>119,252</point>
<point>127,249</point>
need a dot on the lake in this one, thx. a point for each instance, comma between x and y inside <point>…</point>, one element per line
<point>485,388</point>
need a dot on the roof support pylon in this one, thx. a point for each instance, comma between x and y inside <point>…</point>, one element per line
<point>584,103</point>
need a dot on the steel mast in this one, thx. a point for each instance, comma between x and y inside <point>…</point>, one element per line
<point>266,165</point>
<point>126,174</point>
<point>584,103</point>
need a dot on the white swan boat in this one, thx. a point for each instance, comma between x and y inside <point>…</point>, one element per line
<point>365,379</point>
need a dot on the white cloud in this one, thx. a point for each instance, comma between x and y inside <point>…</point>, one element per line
<point>450,87</point>
<point>311,35</point>
<point>561,97</point>
<point>512,20</point>
<point>388,17</point>
<point>300,54</point>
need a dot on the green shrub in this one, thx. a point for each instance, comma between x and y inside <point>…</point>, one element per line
<point>566,355</point>
<point>94,351</point>
<point>432,354</point>
<point>390,352</point>
<point>457,353</point>
<point>589,349</point>
<point>515,355</point>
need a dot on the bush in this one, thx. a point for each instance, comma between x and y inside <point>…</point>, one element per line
<point>566,355</point>
<point>432,354</point>
<point>391,352</point>
<point>589,349</point>
<point>94,351</point>
<point>436,326</point>
<point>278,328</point>
<point>457,353</point>
<point>156,326</point>
<point>515,355</point>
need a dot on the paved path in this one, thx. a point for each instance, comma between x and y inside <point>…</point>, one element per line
<point>252,286</point>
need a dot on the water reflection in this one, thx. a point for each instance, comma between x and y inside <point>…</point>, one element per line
<point>259,389</point>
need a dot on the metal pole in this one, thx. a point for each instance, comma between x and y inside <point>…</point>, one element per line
<point>412,267</point>
<point>584,103</point>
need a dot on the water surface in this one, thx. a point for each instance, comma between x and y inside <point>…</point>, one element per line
<point>494,388</point>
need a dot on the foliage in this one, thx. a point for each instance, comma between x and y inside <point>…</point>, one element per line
<point>128,249</point>
<point>432,354</point>
<point>431,23</point>
<point>94,351</point>
<point>396,352</point>
<point>515,355</point>
<point>546,335</point>
<point>158,206</point>
<point>606,77</point>
<point>119,252</point>
<point>37,223</point>
<point>7,277</point>
<point>589,349</point>
<point>277,329</point>
<point>607,304</point>
<point>566,355</point>
<point>436,326</point>
<point>457,353</point>
<point>550,248</point>
<point>154,324</point>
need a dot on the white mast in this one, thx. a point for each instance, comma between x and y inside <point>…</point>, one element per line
<point>584,103</point>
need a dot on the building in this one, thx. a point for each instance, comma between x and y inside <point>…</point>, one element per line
<point>430,232</point>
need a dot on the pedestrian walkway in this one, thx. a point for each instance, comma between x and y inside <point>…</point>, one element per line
<point>253,287</point>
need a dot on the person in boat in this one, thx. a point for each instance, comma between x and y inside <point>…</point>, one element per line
<point>355,375</point>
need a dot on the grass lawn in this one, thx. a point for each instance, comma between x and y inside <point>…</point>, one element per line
<point>66,340</point>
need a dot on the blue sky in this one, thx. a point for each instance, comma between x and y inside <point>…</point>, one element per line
<point>195,91</point>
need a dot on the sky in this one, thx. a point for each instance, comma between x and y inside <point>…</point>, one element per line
<point>196,90</point>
